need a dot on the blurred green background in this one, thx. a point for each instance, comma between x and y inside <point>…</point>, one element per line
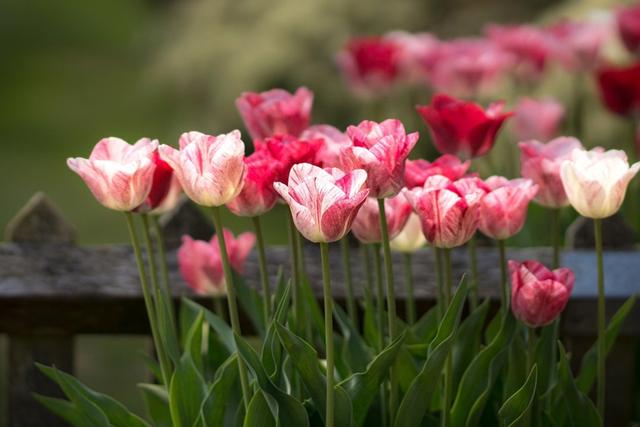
<point>76,71</point>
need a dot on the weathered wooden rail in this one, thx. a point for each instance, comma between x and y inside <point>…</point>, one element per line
<point>52,289</point>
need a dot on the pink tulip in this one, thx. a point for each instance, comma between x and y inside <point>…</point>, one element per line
<point>578,44</point>
<point>119,175</point>
<point>416,172</point>
<point>448,210</point>
<point>275,112</point>
<point>366,226</point>
<point>328,154</point>
<point>210,168</point>
<point>257,196</point>
<point>323,203</point>
<point>369,63</point>
<point>539,295</point>
<point>503,210</point>
<point>628,19</point>
<point>161,184</point>
<point>462,128</point>
<point>201,264</point>
<point>541,164</point>
<point>381,149</point>
<point>416,54</point>
<point>286,150</point>
<point>172,198</point>
<point>537,119</point>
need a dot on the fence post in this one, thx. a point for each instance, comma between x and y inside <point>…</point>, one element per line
<point>38,223</point>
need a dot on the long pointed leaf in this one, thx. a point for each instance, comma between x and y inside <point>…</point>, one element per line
<point>514,411</point>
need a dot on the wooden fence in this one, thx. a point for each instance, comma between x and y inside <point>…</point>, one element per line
<point>52,289</point>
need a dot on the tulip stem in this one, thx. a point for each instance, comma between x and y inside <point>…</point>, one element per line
<point>531,348</point>
<point>448,375</point>
<point>264,273</point>
<point>600,395</point>
<point>148,301</point>
<point>218,307</point>
<point>391,306</point>
<point>473,264</point>
<point>164,268</point>
<point>439,281</point>
<point>368,278</point>
<point>231,302</point>
<point>377,262</point>
<point>410,305</point>
<point>328,330</point>
<point>504,295</point>
<point>295,274</point>
<point>346,266</point>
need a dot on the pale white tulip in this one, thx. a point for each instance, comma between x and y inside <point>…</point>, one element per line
<point>596,181</point>
<point>410,239</point>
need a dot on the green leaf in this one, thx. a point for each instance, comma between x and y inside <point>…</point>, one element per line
<point>416,401</point>
<point>515,410</point>
<point>157,403</point>
<point>286,410</point>
<point>305,360</point>
<point>363,387</point>
<point>315,313</point>
<point>258,413</point>
<point>271,355</point>
<point>166,329</point>
<point>252,303</point>
<point>355,352</point>
<point>370,327</point>
<point>85,399</point>
<point>64,409</point>
<point>571,405</point>
<point>218,404</point>
<point>218,325</point>
<point>186,392</point>
<point>516,369</point>
<point>152,365</point>
<point>477,381</point>
<point>193,343</point>
<point>588,367</point>
<point>427,326</point>
<point>545,358</point>
<point>282,286</point>
<point>467,342</point>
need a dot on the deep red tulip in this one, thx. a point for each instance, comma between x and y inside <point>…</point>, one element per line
<point>539,295</point>
<point>370,63</point>
<point>628,19</point>
<point>381,149</point>
<point>537,119</point>
<point>448,210</point>
<point>286,151</point>
<point>275,112</point>
<point>366,226</point>
<point>620,88</point>
<point>200,262</point>
<point>161,184</point>
<point>462,128</point>
<point>417,171</point>
<point>328,154</point>
<point>503,210</point>
<point>258,195</point>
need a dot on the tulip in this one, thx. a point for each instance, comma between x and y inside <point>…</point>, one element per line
<point>416,172</point>
<point>541,164</point>
<point>381,149</point>
<point>366,226</point>
<point>328,154</point>
<point>257,196</point>
<point>172,198</point>
<point>448,210</point>
<point>370,63</point>
<point>210,168</point>
<point>596,181</point>
<point>200,262</point>
<point>578,44</point>
<point>503,210</point>
<point>620,88</point>
<point>416,54</point>
<point>537,119</point>
<point>323,203</point>
<point>538,295</point>
<point>462,128</point>
<point>410,238</point>
<point>284,151</point>
<point>119,175</point>
<point>161,184</point>
<point>628,20</point>
<point>275,112</point>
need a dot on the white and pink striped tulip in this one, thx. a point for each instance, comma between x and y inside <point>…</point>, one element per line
<point>366,226</point>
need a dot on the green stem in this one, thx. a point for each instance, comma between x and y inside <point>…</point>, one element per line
<point>532,417</point>
<point>264,273</point>
<point>577,114</point>
<point>448,376</point>
<point>164,268</point>
<point>555,237</point>
<point>368,277</point>
<point>531,348</point>
<point>504,290</point>
<point>328,329</point>
<point>231,302</point>
<point>148,301</point>
<point>410,305</point>
<point>473,263</point>
<point>391,307</point>
<point>439,281</point>
<point>600,396</point>
<point>296,276</point>
<point>377,262</point>
<point>218,306</point>
<point>346,268</point>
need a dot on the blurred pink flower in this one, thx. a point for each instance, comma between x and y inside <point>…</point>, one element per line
<point>417,171</point>
<point>210,168</point>
<point>200,262</point>
<point>539,295</point>
<point>579,43</point>
<point>381,149</point>
<point>366,226</point>
<point>323,203</point>
<point>541,163</point>
<point>119,175</point>
<point>417,54</point>
<point>284,151</point>
<point>628,20</point>
<point>328,154</point>
<point>258,195</point>
<point>275,112</point>
<point>537,119</point>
